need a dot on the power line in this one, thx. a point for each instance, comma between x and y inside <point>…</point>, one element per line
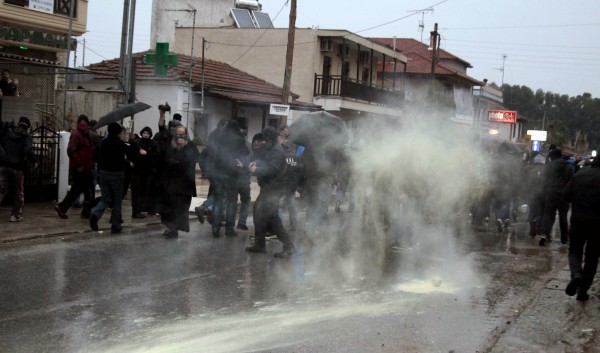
<point>401,18</point>
<point>521,44</point>
<point>519,27</point>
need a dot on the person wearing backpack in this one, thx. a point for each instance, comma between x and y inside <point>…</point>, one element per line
<point>268,167</point>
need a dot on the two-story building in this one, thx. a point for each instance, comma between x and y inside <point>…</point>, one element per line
<point>34,42</point>
<point>335,69</point>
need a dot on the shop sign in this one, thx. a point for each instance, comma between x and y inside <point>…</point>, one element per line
<point>42,5</point>
<point>502,116</point>
<point>33,37</point>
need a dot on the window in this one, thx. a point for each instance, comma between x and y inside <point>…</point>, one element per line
<point>366,75</point>
<point>273,123</point>
<point>242,122</point>
<point>346,69</point>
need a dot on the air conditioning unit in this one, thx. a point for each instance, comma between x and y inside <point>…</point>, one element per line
<point>326,45</point>
<point>364,57</point>
<point>344,51</point>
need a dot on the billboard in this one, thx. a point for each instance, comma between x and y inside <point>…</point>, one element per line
<point>502,116</point>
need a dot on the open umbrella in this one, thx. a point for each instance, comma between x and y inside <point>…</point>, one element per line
<point>121,113</point>
<point>319,130</point>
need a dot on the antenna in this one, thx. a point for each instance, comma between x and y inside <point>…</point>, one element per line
<point>502,68</point>
<point>422,21</point>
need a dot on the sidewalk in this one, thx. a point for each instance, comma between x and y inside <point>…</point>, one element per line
<point>41,221</point>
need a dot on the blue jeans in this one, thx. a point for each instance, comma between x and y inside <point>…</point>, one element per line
<point>111,187</point>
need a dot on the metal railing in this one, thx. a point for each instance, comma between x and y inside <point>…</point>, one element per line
<point>336,85</point>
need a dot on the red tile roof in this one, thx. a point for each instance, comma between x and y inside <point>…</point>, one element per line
<point>419,59</point>
<point>219,79</point>
<point>409,45</point>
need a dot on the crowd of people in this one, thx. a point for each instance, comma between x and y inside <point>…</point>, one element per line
<point>547,186</point>
<point>161,170</point>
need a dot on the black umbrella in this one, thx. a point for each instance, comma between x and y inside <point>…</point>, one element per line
<point>121,113</point>
<point>319,130</point>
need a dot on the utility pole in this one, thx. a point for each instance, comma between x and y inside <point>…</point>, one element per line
<point>123,52</point>
<point>289,58</point>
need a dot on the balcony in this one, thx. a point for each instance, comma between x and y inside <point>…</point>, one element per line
<point>344,87</point>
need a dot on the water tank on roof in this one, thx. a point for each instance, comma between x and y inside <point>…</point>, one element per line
<point>248,4</point>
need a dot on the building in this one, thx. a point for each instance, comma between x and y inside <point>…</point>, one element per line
<point>449,76</point>
<point>335,69</point>
<point>218,91</point>
<point>34,38</point>
<point>492,120</point>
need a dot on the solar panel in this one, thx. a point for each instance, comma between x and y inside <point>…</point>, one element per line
<point>262,19</point>
<point>242,18</point>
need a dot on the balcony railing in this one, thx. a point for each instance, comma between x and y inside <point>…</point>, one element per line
<point>348,88</point>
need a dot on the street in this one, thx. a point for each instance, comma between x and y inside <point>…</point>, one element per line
<point>138,292</point>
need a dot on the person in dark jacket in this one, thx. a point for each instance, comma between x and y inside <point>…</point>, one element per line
<point>177,183</point>
<point>224,163</point>
<point>17,146</point>
<point>557,174</point>
<point>533,191</point>
<point>143,196</point>
<point>583,192</point>
<point>81,164</point>
<point>268,167</point>
<point>111,155</point>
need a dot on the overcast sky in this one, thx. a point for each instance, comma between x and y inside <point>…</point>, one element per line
<point>549,44</point>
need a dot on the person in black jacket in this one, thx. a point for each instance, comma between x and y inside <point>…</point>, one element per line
<point>268,168</point>
<point>111,156</point>
<point>224,165</point>
<point>583,192</point>
<point>16,144</point>
<point>177,183</point>
<point>557,174</point>
<point>143,196</point>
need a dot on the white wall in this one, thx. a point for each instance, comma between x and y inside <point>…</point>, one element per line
<point>210,13</point>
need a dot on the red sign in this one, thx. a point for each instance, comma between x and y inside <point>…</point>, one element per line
<point>502,116</point>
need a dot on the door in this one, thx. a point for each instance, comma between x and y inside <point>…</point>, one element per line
<point>326,74</point>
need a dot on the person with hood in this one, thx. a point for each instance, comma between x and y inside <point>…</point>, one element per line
<point>17,146</point>
<point>111,155</point>
<point>583,192</point>
<point>177,183</point>
<point>268,167</point>
<point>143,197</point>
<point>557,174</point>
<point>81,163</point>
<point>224,161</point>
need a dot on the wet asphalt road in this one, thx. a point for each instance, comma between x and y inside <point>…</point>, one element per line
<point>138,292</point>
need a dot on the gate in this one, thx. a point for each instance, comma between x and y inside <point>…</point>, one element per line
<point>41,182</point>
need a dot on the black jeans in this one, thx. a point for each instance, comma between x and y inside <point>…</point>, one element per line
<point>266,218</point>
<point>82,182</point>
<point>552,203</point>
<point>584,235</point>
